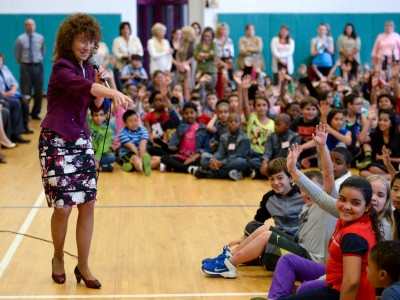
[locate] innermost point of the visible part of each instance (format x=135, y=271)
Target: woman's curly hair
x=72, y=26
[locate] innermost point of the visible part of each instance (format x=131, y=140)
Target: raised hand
x=294, y=154
x=321, y=134
x=386, y=155
x=246, y=82
x=324, y=107
x=372, y=112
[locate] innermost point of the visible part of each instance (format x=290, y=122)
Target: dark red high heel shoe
x=91, y=284
x=60, y=279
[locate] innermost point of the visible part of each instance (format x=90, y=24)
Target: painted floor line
x=18, y=238
x=135, y=296
x=150, y=206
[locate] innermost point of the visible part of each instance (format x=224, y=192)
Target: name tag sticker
x=231, y=147
x=285, y=145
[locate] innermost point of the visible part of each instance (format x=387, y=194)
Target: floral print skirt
x=68, y=169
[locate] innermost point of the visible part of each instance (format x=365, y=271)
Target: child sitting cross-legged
x=283, y=204
x=133, y=138
x=230, y=159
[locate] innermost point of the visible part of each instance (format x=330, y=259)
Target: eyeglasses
x=85, y=43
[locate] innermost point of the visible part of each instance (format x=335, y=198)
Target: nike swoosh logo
x=218, y=270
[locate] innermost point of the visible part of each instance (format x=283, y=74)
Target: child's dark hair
x=395, y=177
x=262, y=99
x=128, y=113
x=289, y=105
x=153, y=96
x=276, y=166
x=234, y=116
x=364, y=187
x=391, y=99
x=103, y=109
x=309, y=100
x=314, y=174
x=211, y=92
x=189, y=105
x=332, y=114
x=285, y=118
x=136, y=57
x=393, y=128
x=349, y=99
x=386, y=255
x=323, y=95
x=222, y=101
x=345, y=153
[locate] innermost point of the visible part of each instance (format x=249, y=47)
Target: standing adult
x=206, y=55
x=184, y=55
x=250, y=51
x=123, y=47
x=159, y=49
x=386, y=46
x=197, y=30
x=225, y=55
x=349, y=45
x=29, y=52
x=322, y=50
x=65, y=148
x=282, y=48
x=175, y=43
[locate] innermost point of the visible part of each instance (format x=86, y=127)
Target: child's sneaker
x=226, y=253
x=127, y=166
x=200, y=173
x=146, y=164
x=107, y=168
x=223, y=269
x=235, y=175
x=192, y=169
x=364, y=163
x=163, y=167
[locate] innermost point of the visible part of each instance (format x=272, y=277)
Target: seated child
x=338, y=136
x=230, y=159
x=201, y=116
x=310, y=242
x=341, y=161
x=133, y=138
x=211, y=102
x=293, y=110
x=283, y=204
x=134, y=72
x=101, y=140
x=190, y=140
x=383, y=269
x=305, y=127
x=217, y=126
x=395, y=192
x=279, y=141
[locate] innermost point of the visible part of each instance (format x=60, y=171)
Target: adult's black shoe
x=28, y=131
x=19, y=139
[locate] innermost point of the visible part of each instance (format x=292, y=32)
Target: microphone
x=95, y=65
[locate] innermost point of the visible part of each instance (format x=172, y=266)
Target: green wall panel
x=12, y=25
x=303, y=28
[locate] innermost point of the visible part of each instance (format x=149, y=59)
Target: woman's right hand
x=120, y=100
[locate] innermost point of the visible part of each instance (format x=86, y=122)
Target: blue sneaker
x=223, y=269
x=226, y=253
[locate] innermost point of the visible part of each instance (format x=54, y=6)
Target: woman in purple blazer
x=65, y=148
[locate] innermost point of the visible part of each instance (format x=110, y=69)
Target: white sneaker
x=192, y=169
x=163, y=167
x=235, y=175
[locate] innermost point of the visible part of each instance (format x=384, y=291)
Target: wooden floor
x=151, y=234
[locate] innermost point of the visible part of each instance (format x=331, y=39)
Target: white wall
x=127, y=8
x=299, y=6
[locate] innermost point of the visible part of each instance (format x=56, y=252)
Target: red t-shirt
x=155, y=123
x=204, y=118
x=351, y=239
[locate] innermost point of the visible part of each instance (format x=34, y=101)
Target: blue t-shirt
x=392, y=292
x=333, y=142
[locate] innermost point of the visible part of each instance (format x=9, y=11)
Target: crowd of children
x=333, y=224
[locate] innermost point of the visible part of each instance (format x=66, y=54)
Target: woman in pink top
x=387, y=45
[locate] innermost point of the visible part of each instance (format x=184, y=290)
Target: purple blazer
x=68, y=98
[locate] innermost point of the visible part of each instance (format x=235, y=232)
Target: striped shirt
x=134, y=137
